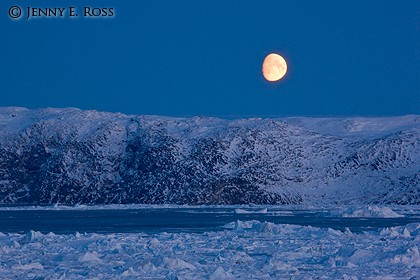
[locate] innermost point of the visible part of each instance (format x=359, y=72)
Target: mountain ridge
x=75, y=156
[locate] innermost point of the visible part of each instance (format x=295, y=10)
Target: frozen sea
x=212, y=242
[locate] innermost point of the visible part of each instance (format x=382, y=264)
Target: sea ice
x=242, y=211
x=372, y=211
x=245, y=250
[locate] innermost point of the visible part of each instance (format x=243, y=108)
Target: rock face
x=72, y=156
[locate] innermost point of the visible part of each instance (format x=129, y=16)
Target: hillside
x=73, y=156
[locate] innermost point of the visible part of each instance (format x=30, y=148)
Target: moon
x=274, y=67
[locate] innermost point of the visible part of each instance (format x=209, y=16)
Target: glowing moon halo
x=274, y=67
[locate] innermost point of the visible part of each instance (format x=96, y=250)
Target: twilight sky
x=185, y=58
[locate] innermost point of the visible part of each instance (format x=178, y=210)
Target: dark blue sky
x=183, y=58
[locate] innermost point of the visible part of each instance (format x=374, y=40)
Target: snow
x=361, y=127
x=245, y=250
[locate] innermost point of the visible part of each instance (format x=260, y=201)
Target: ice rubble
x=246, y=250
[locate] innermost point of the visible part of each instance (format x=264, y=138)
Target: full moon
x=274, y=67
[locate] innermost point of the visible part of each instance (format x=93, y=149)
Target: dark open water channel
x=175, y=220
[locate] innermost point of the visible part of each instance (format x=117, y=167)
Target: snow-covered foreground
x=245, y=250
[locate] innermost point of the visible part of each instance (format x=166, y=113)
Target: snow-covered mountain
x=74, y=156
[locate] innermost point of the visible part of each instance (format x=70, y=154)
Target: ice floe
x=243, y=211
x=369, y=211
